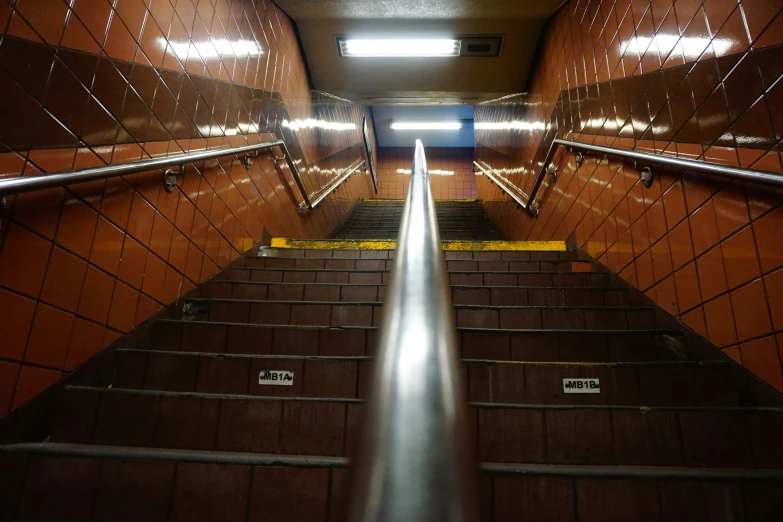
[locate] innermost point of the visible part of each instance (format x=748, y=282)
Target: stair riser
x=485, y=382
x=505, y=296
x=346, y=315
x=530, y=279
x=556, y=318
x=118, y=489
x=508, y=346
x=454, y=265
x=538, y=279
x=721, y=439
x=465, y=255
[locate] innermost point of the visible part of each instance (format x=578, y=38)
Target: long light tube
x=399, y=47
x=426, y=125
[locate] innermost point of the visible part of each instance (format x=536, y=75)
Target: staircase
x=457, y=221
x=245, y=407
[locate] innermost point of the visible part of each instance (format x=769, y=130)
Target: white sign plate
x=276, y=378
x=581, y=386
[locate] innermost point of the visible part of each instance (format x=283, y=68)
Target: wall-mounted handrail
x=415, y=463
x=58, y=179
x=320, y=194
x=644, y=161
x=506, y=186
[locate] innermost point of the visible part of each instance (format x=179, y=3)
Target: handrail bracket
x=579, y=156
x=645, y=174
x=248, y=159
x=170, y=180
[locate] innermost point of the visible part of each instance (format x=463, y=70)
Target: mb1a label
x=276, y=378
x=581, y=386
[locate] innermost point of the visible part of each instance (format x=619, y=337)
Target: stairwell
x=245, y=405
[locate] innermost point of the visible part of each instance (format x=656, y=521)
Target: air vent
x=481, y=46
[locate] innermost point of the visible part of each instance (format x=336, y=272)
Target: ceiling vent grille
x=481, y=46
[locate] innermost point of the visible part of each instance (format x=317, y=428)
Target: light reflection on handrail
x=22, y=184
x=320, y=194
x=643, y=161
x=415, y=463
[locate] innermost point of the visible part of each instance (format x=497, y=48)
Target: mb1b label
x=276, y=378
x=581, y=386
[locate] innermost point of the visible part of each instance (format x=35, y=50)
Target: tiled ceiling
x=461, y=80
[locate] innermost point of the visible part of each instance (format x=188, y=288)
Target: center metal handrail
x=415, y=463
x=643, y=161
x=22, y=184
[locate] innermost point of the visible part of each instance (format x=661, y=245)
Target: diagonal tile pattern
x=700, y=80
x=92, y=82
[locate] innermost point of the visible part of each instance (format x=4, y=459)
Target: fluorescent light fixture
x=399, y=47
x=426, y=125
x=437, y=172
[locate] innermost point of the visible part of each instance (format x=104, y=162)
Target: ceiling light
x=437, y=172
x=399, y=47
x=426, y=125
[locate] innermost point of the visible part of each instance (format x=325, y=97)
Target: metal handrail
x=644, y=161
x=58, y=179
x=324, y=191
x=415, y=463
x=507, y=186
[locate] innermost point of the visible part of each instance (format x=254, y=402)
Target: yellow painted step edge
x=386, y=244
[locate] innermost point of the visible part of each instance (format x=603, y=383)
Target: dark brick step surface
x=369, y=313
x=449, y=255
x=444, y=236
x=117, y=484
x=477, y=255
x=515, y=345
x=623, y=383
x=601, y=435
x=370, y=223
x=381, y=276
x=469, y=295
x=455, y=225
x=552, y=265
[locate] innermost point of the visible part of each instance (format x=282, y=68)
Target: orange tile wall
x=89, y=82
x=704, y=82
x=451, y=172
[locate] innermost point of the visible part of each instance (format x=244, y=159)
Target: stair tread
x=380, y=303
x=326, y=426
x=699, y=363
x=492, y=405
x=227, y=457
x=661, y=331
